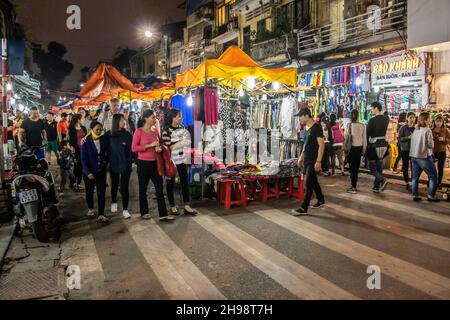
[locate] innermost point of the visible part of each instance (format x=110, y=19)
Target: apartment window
x=261, y=25
x=303, y=17
x=223, y=12
x=285, y=17
x=247, y=39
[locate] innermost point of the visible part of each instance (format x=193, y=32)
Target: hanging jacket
x=120, y=151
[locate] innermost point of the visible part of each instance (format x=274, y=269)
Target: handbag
x=348, y=142
x=165, y=164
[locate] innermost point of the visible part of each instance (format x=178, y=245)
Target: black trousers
x=182, y=172
x=311, y=185
x=406, y=165
x=99, y=183
x=148, y=170
x=78, y=168
x=441, y=157
x=397, y=161
x=122, y=180
x=354, y=162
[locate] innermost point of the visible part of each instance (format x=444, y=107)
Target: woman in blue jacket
x=120, y=162
x=95, y=159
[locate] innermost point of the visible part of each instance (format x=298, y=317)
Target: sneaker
x=146, y=217
x=102, y=219
x=384, y=185
x=113, y=207
x=433, y=199
x=126, y=214
x=91, y=213
x=299, y=212
x=375, y=190
x=318, y=205
x=352, y=190
x=417, y=199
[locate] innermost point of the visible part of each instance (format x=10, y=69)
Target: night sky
x=105, y=25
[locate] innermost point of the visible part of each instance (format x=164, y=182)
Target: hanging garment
x=211, y=105
x=179, y=102
x=225, y=114
x=289, y=124
x=199, y=109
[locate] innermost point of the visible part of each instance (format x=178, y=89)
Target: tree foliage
x=52, y=65
x=121, y=60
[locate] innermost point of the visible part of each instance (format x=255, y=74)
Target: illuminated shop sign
x=399, y=70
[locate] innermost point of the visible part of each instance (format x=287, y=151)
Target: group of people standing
x=101, y=151
x=422, y=141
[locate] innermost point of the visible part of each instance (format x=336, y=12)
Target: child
x=66, y=164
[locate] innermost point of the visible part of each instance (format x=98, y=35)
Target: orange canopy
x=234, y=64
x=106, y=79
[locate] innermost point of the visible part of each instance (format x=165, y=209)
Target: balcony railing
x=263, y=51
x=381, y=24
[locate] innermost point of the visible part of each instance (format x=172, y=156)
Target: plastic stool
x=224, y=192
x=298, y=191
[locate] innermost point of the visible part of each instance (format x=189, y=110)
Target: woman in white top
x=354, y=147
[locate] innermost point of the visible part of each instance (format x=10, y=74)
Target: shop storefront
x=337, y=90
x=400, y=81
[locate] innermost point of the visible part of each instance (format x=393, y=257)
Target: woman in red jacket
x=146, y=142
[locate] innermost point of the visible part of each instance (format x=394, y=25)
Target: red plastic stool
x=267, y=192
x=298, y=191
x=225, y=194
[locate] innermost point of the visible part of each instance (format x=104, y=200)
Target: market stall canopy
x=234, y=64
x=106, y=79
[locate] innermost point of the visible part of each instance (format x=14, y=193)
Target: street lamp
x=148, y=34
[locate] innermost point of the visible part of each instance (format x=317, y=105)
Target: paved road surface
x=263, y=252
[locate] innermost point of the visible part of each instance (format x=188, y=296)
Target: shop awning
x=234, y=64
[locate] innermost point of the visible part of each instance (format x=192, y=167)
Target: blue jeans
x=376, y=169
x=427, y=165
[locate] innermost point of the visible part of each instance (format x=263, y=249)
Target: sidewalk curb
x=6, y=236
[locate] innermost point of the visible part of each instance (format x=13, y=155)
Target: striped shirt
x=172, y=136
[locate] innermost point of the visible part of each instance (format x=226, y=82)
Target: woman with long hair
x=404, y=143
x=76, y=134
x=402, y=117
x=441, y=136
x=95, y=159
x=355, y=147
x=177, y=138
x=146, y=142
x=421, y=154
x=120, y=162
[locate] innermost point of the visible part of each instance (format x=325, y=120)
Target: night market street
x=261, y=252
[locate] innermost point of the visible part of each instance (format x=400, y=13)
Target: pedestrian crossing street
x=263, y=252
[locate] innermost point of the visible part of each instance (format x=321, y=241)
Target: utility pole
x=4, y=148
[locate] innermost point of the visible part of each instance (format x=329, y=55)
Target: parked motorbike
x=34, y=196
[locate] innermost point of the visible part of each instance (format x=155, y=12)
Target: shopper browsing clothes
x=404, y=142
x=120, y=162
x=328, y=138
x=311, y=161
x=355, y=146
x=94, y=157
x=378, y=147
x=421, y=154
x=177, y=138
x=402, y=120
x=441, y=136
x=76, y=134
x=146, y=142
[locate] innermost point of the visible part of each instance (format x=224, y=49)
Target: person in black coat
x=76, y=134
x=120, y=162
x=95, y=160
